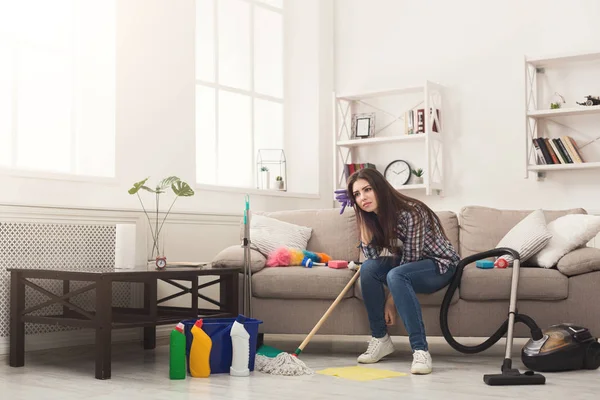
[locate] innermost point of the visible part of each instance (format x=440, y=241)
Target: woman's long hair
x=390, y=202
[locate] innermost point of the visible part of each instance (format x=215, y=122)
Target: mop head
x=282, y=364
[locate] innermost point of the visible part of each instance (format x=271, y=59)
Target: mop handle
x=327, y=313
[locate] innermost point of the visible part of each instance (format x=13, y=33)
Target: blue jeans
x=403, y=281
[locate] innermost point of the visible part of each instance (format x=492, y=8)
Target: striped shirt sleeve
x=414, y=241
x=369, y=250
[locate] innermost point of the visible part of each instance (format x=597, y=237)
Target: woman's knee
x=369, y=268
x=397, y=277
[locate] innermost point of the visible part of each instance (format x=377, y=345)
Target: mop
x=289, y=364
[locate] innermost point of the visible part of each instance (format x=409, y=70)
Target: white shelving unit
x=431, y=96
x=538, y=115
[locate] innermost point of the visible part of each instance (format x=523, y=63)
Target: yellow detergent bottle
x=200, y=352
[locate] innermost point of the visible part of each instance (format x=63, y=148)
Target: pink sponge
x=337, y=264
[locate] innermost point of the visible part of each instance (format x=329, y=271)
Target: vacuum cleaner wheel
x=592, y=356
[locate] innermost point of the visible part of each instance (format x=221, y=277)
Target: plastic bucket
x=219, y=330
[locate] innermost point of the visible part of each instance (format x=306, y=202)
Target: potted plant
x=264, y=177
x=279, y=181
x=180, y=189
x=418, y=173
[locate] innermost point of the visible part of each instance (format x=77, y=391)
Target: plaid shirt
x=420, y=241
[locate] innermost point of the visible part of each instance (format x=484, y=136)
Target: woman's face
x=364, y=196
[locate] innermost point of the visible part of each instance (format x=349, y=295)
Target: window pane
x=235, y=152
x=268, y=52
x=206, y=136
x=5, y=105
x=205, y=40
x=234, y=43
x=44, y=111
x=272, y=3
x=268, y=125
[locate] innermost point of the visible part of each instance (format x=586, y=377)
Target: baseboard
x=69, y=339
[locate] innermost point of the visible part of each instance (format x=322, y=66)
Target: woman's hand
x=389, y=311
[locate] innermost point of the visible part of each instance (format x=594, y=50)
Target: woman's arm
x=368, y=249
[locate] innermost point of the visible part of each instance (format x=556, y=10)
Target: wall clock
x=397, y=173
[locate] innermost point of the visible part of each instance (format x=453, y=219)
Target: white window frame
x=250, y=93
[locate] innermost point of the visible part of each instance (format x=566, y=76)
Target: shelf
x=562, y=59
x=434, y=186
x=381, y=140
x=564, y=111
x=391, y=92
x=557, y=167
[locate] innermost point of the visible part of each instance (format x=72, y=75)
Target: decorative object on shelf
x=349, y=169
x=590, y=101
x=409, y=122
x=418, y=173
x=264, y=177
x=363, y=125
x=558, y=101
x=267, y=161
x=397, y=173
x=180, y=189
x=421, y=120
x=279, y=182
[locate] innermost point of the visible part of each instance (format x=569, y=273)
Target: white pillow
x=568, y=233
x=527, y=237
x=268, y=234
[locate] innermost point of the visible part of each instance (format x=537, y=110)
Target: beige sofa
x=292, y=299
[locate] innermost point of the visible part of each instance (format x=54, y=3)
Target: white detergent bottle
x=240, y=343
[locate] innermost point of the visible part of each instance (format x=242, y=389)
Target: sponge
x=337, y=264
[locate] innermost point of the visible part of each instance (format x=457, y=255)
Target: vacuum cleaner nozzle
x=514, y=377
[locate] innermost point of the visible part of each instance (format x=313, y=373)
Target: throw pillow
x=569, y=232
x=268, y=234
x=528, y=237
x=233, y=257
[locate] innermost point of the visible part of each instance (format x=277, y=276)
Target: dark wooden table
x=104, y=318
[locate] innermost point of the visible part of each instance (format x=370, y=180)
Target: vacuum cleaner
x=561, y=347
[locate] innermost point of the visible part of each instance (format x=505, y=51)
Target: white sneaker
x=377, y=349
x=421, y=364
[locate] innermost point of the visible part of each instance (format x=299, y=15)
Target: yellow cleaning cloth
x=358, y=373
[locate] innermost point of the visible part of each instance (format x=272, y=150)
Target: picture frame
x=363, y=125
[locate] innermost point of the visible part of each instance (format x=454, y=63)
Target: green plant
x=279, y=178
x=264, y=168
x=179, y=188
x=418, y=172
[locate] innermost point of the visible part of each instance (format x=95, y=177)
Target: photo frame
x=363, y=125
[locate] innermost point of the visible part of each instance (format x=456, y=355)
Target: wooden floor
x=138, y=374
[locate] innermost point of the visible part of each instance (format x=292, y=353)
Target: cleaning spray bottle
x=240, y=342
x=200, y=352
x=177, y=353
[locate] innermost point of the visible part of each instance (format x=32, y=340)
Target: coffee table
x=105, y=317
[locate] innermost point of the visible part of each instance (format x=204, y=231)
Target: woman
x=425, y=263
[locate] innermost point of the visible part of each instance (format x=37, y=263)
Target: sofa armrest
x=580, y=261
x=233, y=257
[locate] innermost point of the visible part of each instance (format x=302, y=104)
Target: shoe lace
x=373, y=345
x=420, y=357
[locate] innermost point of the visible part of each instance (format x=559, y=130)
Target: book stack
x=562, y=150
x=349, y=169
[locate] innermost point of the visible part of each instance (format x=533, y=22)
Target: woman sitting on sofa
x=424, y=264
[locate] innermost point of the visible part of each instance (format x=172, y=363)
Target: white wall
x=477, y=49
x=155, y=117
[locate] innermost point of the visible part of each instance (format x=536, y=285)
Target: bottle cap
x=199, y=323
x=241, y=319
x=180, y=327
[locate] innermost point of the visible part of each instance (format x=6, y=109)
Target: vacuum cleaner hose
x=536, y=332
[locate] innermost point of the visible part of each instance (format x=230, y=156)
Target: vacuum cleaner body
x=563, y=347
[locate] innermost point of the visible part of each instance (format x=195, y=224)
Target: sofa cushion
x=332, y=233
x=494, y=284
x=481, y=228
x=301, y=283
x=432, y=299
x=528, y=237
x=233, y=257
x=580, y=261
x=568, y=233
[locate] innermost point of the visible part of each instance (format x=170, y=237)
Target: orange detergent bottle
x=200, y=352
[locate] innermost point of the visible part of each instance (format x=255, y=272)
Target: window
x=57, y=86
x=239, y=87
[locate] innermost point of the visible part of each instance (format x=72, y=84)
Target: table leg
x=150, y=307
x=17, y=326
x=103, y=328
x=229, y=293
